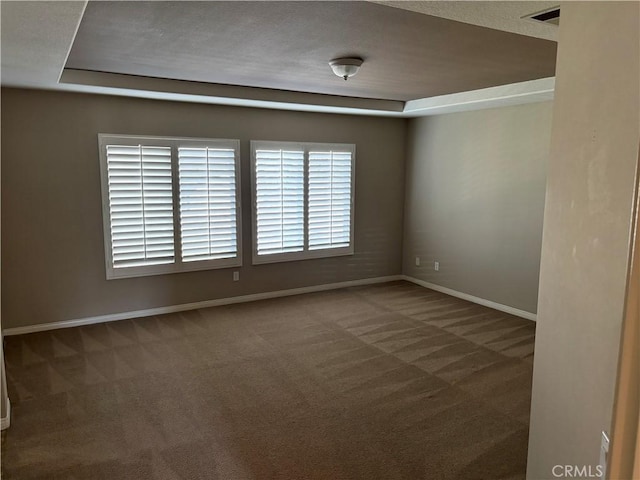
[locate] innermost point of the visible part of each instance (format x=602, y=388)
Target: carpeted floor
x=390, y=381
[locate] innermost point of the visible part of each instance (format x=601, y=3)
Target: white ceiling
x=37, y=38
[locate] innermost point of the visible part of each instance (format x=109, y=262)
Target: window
x=170, y=204
x=302, y=200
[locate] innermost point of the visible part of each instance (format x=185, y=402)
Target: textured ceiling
x=286, y=46
x=36, y=37
x=506, y=16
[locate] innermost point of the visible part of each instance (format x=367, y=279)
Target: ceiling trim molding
x=217, y=92
x=531, y=91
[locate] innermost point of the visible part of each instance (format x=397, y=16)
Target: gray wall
x=586, y=239
x=475, y=199
x=52, y=237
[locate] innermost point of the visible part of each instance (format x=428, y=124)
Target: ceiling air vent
x=550, y=16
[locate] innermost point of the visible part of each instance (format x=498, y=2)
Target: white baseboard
x=6, y=420
x=465, y=296
x=193, y=306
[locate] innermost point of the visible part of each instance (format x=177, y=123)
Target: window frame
x=178, y=265
x=305, y=254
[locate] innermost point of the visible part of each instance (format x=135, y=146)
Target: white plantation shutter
x=279, y=201
x=302, y=200
x=329, y=220
x=144, y=216
x=207, y=203
x=140, y=205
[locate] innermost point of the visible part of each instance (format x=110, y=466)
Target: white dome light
x=346, y=67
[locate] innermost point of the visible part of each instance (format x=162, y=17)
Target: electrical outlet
x=436, y=266
x=417, y=261
x=236, y=276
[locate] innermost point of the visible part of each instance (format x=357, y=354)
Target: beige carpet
x=391, y=381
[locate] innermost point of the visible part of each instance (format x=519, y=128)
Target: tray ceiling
x=274, y=54
x=287, y=46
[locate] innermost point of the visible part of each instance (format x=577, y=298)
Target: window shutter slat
x=207, y=203
x=140, y=205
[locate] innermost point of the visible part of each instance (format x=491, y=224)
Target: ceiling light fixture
x=346, y=67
